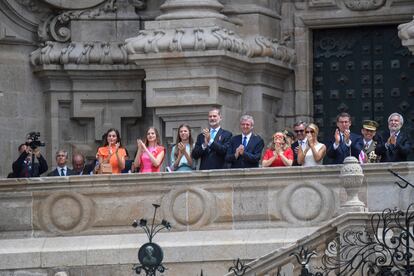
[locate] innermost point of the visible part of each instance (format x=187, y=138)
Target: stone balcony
x=217, y=216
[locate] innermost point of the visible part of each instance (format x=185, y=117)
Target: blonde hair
x=314, y=127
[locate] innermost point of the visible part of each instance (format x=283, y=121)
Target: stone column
x=190, y=9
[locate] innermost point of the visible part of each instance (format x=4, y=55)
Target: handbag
x=105, y=168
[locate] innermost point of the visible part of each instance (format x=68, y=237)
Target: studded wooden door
x=364, y=71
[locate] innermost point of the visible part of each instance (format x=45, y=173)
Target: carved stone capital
x=80, y=53
x=204, y=39
x=186, y=9
x=363, y=5
x=406, y=34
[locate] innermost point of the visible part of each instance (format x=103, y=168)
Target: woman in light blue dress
x=181, y=152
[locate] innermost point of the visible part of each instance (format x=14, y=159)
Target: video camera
x=33, y=140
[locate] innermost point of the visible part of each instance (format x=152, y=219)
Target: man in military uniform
x=368, y=142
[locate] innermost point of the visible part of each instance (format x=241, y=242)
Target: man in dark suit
x=299, y=130
x=245, y=149
x=396, y=146
x=79, y=166
x=61, y=169
x=25, y=165
x=211, y=145
x=343, y=144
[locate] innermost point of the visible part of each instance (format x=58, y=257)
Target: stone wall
x=216, y=216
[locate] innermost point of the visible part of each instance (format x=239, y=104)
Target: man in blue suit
x=396, y=146
x=343, y=144
x=245, y=150
x=211, y=145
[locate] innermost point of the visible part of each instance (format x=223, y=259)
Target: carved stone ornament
x=80, y=53
x=206, y=38
x=56, y=27
x=363, y=5
x=74, y=4
x=406, y=34
x=352, y=177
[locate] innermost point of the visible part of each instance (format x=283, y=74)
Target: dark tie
x=62, y=172
x=244, y=141
x=342, y=139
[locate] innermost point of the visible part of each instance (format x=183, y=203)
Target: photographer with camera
x=26, y=165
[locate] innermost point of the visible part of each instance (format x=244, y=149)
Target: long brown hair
x=157, y=136
x=178, y=140
x=118, y=137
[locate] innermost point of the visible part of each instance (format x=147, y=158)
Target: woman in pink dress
x=150, y=154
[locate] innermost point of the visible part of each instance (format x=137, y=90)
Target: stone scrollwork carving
x=406, y=34
x=266, y=47
x=66, y=212
x=363, y=5
x=306, y=203
x=80, y=53
x=56, y=27
x=189, y=207
x=207, y=38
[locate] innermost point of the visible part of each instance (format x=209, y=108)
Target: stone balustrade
x=202, y=200
x=217, y=216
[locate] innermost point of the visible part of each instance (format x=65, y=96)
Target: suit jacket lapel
x=218, y=135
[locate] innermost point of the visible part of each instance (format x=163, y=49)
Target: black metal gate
x=364, y=71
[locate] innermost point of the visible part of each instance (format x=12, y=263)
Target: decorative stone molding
x=192, y=207
x=74, y=4
x=363, y=5
x=56, y=27
x=66, y=212
x=306, y=203
x=207, y=38
x=187, y=9
x=406, y=34
x=80, y=53
x=352, y=177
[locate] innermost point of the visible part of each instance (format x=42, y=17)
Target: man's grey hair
x=396, y=114
x=247, y=118
x=64, y=152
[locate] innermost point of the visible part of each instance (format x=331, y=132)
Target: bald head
x=78, y=163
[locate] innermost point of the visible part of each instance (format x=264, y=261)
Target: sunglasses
x=309, y=131
x=299, y=130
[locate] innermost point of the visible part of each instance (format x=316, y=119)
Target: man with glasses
x=300, y=136
x=61, y=169
x=343, y=144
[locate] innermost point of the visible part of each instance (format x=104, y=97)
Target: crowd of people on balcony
x=217, y=148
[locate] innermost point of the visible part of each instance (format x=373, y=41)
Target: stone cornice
x=207, y=38
x=80, y=53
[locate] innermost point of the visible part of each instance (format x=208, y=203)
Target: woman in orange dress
x=112, y=152
x=150, y=154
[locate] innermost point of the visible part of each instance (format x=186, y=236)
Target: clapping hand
x=393, y=139
x=181, y=147
x=337, y=136
x=347, y=134
x=206, y=133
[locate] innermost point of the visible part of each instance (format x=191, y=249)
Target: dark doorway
x=364, y=71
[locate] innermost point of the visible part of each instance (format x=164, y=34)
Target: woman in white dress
x=314, y=152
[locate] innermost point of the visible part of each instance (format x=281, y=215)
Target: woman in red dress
x=279, y=154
